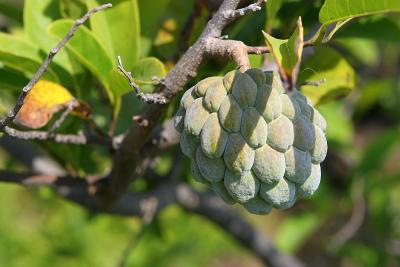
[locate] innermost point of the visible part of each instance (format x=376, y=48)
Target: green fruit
x=238, y=155
x=250, y=141
x=282, y=195
x=242, y=187
x=269, y=165
x=257, y=205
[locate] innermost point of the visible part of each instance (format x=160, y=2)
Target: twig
x=45, y=65
x=155, y=98
x=258, y=50
x=243, y=11
x=57, y=124
x=357, y=216
x=81, y=138
x=149, y=207
x=133, y=242
x=313, y=83
x=77, y=139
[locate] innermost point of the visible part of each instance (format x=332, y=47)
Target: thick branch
x=31, y=179
x=30, y=156
x=236, y=50
x=45, y=65
x=165, y=137
x=207, y=205
x=82, y=191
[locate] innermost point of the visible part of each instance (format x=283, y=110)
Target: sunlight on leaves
x=339, y=76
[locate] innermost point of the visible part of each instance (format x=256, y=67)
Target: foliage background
x=362, y=170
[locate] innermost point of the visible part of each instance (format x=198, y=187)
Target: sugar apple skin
x=251, y=141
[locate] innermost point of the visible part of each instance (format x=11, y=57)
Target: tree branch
x=59, y=122
x=236, y=50
x=243, y=11
x=35, y=180
x=45, y=65
x=81, y=191
x=80, y=138
x=145, y=97
x=129, y=156
x=187, y=29
x=109, y=194
x=30, y=156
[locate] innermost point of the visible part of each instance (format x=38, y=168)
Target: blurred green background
x=352, y=220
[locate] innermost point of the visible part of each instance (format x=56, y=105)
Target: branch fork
x=136, y=148
x=156, y=98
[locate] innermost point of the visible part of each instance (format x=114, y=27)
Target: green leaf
x=375, y=155
x=361, y=50
x=294, y=231
x=340, y=126
x=10, y=79
x=256, y=61
x=118, y=84
x=16, y=46
x=163, y=22
x=38, y=15
x=87, y=49
x=143, y=72
x=11, y=10
x=323, y=35
x=20, y=55
x=342, y=11
x=272, y=8
x=375, y=28
x=155, y=228
x=7, y=101
x=329, y=65
x=150, y=14
x=374, y=92
x=147, y=68
x=339, y=10
x=72, y=9
x=287, y=53
x=118, y=29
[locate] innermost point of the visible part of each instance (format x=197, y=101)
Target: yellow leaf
x=45, y=99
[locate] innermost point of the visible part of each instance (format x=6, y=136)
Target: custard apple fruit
x=250, y=141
